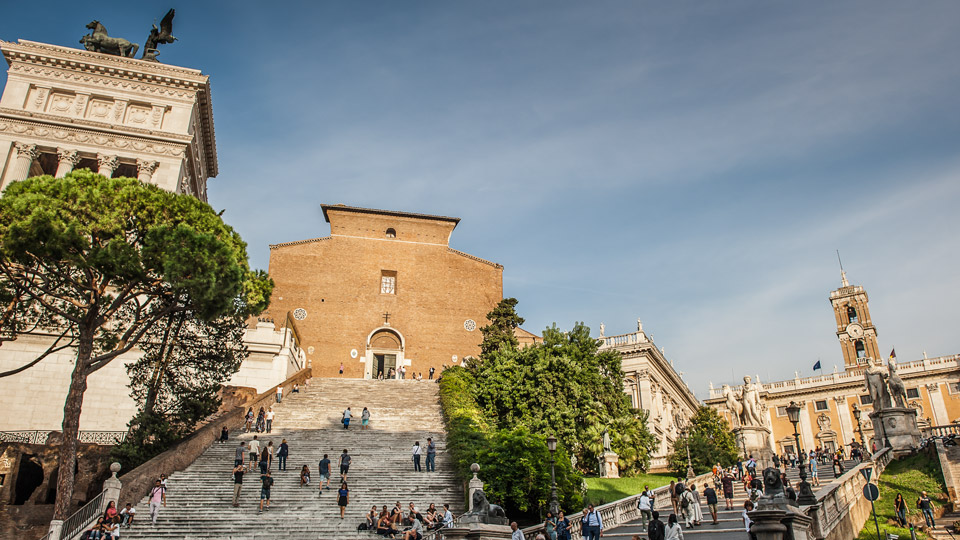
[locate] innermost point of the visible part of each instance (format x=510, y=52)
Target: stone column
x=26, y=153
x=475, y=485
x=847, y=429
x=111, y=486
x=67, y=160
x=145, y=170
x=940, y=416
x=805, y=428
x=108, y=164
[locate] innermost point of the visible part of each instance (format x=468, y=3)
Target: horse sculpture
x=99, y=41
x=733, y=404
x=898, y=391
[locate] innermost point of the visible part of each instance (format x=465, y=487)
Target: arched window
x=861, y=352
x=851, y=314
x=391, y=233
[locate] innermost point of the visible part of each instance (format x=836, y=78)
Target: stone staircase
x=199, y=498
x=730, y=522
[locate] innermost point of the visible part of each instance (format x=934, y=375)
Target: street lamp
x=554, y=503
x=690, y=473
x=856, y=415
x=805, y=496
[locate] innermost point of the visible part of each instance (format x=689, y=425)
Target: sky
x=692, y=164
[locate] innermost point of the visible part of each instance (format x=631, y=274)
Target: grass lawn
x=606, y=490
x=908, y=476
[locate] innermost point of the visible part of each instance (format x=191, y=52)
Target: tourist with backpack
x=645, y=507
x=590, y=524
x=323, y=469
x=237, y=484
x=266, y=483
x=157, y=496
x=282, y=454
x=655, y=530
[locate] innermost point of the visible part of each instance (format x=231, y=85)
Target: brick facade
x=337, y=280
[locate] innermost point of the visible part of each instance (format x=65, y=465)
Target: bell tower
x=855, y=330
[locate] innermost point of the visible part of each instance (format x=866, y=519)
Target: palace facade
x=654, y=386
x=829, y=403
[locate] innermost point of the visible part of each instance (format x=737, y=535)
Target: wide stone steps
x=381, y=473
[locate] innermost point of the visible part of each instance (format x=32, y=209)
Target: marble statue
x=639, y=326
x=99, y=41
x=159, y=36
x=875, y=379
x=751, y=412
x=895, y=385
x=603, y=328
x=733, y=404
x=485, y=512
x=606, y=441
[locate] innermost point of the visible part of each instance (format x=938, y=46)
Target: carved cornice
x=57, y=135
x=42, y=54
x=17, y=115
x=102, y=81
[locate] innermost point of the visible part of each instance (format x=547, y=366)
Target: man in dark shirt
x=237, y=482
x=923, y=503
x=344, y=465
x=265, y=490
x=324, y=472
x=656, y=530
x=726, y=482
x=241, y=452
x=711, y=495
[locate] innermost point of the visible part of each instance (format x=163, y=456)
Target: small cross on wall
x=386, y=318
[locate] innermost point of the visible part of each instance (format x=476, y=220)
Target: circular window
x=299, y=314
x=470, y=325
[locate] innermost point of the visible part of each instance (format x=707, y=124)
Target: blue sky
x=694, y=164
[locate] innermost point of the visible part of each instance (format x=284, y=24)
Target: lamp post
x=690, y=473
x=805, y=496
x=554, y=503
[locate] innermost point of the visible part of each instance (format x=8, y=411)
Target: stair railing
x=75, y=524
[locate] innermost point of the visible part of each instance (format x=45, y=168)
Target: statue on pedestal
x=895, y=385
x=875, y=379
x=606, y=441
x=159, y=36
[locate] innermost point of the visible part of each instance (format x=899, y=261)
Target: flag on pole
x=817, y=366
x=893, y=354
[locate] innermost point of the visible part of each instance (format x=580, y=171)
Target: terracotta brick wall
x=337, y=281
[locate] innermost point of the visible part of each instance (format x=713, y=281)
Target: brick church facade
x=384, y=290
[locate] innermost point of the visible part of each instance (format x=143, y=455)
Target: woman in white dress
x=692, y=514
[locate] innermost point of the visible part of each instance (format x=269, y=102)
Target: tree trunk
x=71, y=424
x=166, y=350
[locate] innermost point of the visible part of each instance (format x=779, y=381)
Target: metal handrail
x=82, y=517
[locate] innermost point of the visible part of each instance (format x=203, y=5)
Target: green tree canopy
x=499, y=333
x=711, y=441
x=104, y=260
x=568, y=388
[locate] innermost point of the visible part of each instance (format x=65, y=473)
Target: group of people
x=410, y=525
x=109, y=525
x=261, y=422
x=402, y=374
x=924, y=504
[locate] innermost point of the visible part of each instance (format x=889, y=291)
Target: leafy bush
x=514, y=463
x=711, y=441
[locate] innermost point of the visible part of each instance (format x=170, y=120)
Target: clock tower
x=858, y=336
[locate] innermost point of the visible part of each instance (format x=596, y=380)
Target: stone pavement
x=199, y=498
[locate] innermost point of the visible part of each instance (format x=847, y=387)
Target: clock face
x=855, y=330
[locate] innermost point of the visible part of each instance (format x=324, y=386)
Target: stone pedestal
x=897, y=427
x=756, y=441
x=474, y=485
x=610, y=465
x=478, y=531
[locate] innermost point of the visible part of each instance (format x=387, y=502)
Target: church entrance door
x=383, y=363
x=384, y=352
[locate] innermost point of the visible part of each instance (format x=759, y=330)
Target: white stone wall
x=33, y=399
